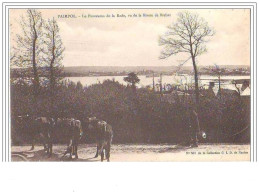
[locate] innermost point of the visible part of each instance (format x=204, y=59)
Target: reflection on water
x=148, y=81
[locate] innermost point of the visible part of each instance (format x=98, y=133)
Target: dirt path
x=141, y=153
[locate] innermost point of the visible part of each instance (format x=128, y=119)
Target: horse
x=104, y=135
x=43, y=127
x=73, y=132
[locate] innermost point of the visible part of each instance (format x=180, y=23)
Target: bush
x=137, y=116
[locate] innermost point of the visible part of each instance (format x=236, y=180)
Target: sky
x=133, y=41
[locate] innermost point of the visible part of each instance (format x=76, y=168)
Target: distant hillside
x=76, y=71
x=105, y=69
x=87, y=69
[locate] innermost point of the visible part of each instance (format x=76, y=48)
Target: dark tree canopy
x=132, y=78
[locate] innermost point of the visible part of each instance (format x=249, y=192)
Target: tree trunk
x=197, y=101
x=52, y=77
x=197, y=97
x=133, y=86
x=36, y=81
x=35, y=71
x=52, y=88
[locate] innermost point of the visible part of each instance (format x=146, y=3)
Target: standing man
x=194, y=127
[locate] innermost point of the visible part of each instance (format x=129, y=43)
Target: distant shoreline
x=95, y=71
x=165, y=74
x=116, y=75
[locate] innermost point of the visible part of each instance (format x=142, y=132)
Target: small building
x=176, y=96
x=246, y=92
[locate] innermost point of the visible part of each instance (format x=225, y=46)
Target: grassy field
x=139, y=153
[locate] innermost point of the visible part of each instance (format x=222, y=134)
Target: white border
x=131, y=178
x=6, y=115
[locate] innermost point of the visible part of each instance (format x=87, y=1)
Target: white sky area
x=134, y=41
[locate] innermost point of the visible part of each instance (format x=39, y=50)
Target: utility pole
x=219, y=71
x=161, y=85
x=219, y=86
x=153, y=81
x=220, y=108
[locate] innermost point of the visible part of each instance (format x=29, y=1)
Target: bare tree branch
x=188, y=35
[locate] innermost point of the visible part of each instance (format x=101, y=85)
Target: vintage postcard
x=130, y=84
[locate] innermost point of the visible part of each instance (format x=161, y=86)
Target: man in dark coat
x=193, y=127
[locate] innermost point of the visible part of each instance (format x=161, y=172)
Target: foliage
x=132, y=78
x=39, y=51
x=136, y=117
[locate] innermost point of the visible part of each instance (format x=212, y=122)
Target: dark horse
x=73, y=130
x=43, y=127
x=104, y=136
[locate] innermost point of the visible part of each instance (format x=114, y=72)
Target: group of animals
x=44, y=128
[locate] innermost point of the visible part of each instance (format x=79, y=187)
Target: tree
x=187, y=35
x=53, y=56
x=29, y=46
x=133, y=79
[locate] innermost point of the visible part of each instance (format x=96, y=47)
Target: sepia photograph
x=130, y=85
